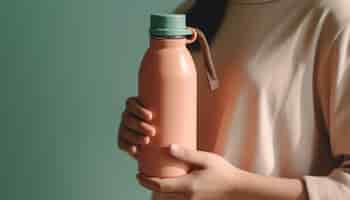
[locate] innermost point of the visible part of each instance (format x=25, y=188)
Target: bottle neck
x=181, y=41
x=164, y=42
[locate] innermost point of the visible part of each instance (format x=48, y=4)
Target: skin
x=212, y=176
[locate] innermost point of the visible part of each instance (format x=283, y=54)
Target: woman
x=280, y=122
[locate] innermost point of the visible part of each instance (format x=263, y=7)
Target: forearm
x=258, y=187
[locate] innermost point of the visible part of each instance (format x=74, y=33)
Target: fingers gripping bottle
x=168, y=87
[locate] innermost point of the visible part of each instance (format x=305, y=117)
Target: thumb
x=194, y=157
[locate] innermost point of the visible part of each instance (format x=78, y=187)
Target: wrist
x=248, y=185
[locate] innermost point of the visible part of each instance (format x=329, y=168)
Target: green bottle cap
x=164, y=25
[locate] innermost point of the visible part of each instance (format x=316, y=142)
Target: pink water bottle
x=168, y=87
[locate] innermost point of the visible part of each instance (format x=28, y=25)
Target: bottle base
x=156, y=162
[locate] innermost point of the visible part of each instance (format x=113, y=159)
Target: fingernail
x=149, y=116
x=153, y=132
x=174, y=148
x=133, y=149
x=147, y=140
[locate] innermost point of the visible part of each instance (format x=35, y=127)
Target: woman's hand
x=135, y=128
x=212, y=177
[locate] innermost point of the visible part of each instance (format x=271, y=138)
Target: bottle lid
x=164, y=25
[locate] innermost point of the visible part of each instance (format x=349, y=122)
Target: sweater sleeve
x=336, y=186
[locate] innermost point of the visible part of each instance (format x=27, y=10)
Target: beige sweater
x=291, y=113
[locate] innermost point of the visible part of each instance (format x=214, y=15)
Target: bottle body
x=168, y=87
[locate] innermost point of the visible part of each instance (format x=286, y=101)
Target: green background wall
x=66, y=67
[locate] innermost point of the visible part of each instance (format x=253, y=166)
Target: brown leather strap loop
x=211, y=72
